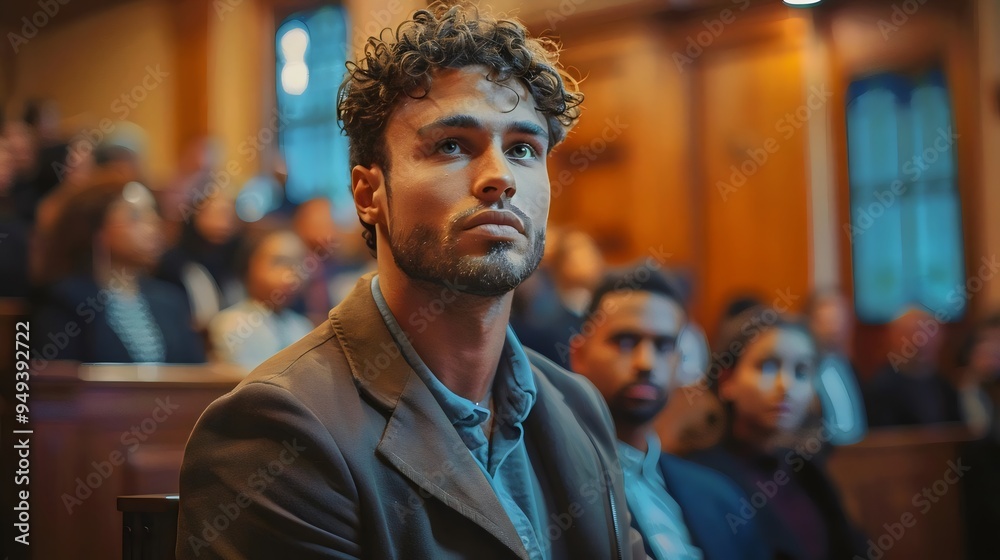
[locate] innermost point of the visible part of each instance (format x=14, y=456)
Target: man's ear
x=368, y=187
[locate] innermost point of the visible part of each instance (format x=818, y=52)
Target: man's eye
x=522, y=151
x=627, y=343
x=448, y=147
x=802, y=371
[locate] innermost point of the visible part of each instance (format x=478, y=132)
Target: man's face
x=466, y=195
x=632, y=354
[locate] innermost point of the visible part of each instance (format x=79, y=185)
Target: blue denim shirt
x=505, y=463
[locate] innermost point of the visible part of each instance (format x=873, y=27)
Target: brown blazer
x=334, y=448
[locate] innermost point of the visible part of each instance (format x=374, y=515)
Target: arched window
x=906, y=224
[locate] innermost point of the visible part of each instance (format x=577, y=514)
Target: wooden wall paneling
x=622, y=173
x=751, y=117
x=191, y=44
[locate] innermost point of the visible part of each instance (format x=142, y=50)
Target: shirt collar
x=513, y=388
x=638, y=463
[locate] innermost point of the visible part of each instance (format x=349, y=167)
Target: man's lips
x=642, y=392
x=496, y=217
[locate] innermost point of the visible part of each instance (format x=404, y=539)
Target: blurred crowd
x=118, y=269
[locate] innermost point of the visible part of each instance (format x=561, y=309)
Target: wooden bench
x=900, y=485
x=104, y=431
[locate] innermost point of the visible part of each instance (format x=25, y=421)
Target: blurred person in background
x=979, y=375
x=631, y=356
x=555, y=313
x=203, y=263
x=762, y=372
x=341, y=257
x=23, y=150
x=910, y=388
x=196, y=176
x=103, y=305
x=14, y=232
x=843, y=407
x=260, y=326
x=979, y=365
x=120, y=155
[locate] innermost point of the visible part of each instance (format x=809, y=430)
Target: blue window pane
x=906, y=229
x=311, y=56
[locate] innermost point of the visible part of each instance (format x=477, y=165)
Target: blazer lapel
x=418, y=440
x=570, y=458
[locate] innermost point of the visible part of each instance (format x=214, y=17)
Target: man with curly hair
x=412, y=423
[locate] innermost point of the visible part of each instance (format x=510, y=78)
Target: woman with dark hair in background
x=763, y=371
x=102, y=305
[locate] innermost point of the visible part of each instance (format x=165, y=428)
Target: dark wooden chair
x=149, y=526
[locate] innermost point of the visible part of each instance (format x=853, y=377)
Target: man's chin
x=635, y=413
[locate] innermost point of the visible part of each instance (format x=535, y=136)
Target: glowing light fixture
x=295, y=73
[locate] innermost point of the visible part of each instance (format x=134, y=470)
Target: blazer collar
x=418, y=440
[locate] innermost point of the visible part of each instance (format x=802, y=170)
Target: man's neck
x=634, y=435
x=459, y=336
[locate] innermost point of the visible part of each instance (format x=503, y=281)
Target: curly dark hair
x=444, y=36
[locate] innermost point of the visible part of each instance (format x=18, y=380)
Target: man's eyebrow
x=468, y=121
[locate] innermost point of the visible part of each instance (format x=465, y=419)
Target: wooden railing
x=103, y=431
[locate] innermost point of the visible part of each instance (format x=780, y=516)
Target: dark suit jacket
x=76, y=305
x=334, y=448
x=896, y=399
x=845, y=541
x=706, y=497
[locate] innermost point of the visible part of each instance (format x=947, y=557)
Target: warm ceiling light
x=802, y=2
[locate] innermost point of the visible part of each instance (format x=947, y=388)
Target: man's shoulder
x=316, y=362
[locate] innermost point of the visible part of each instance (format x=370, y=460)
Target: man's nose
x=494, y=178
x=644, y=357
